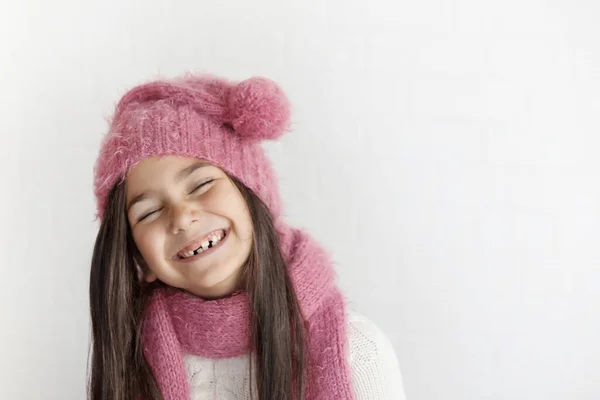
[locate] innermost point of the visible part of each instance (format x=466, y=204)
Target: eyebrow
x=184, y=173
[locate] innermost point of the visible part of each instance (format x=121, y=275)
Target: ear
x=143, y=272
x=150, y=276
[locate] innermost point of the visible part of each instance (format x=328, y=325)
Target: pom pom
x=258, y=109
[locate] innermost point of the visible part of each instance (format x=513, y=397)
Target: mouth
x=201, y=246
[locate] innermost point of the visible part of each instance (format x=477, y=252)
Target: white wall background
x=445, y=151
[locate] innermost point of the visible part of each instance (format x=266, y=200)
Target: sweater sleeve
x=375, y=369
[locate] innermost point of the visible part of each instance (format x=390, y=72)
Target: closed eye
x=147, y=215
x=201, y=185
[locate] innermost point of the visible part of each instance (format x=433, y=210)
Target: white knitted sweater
x=375, y=370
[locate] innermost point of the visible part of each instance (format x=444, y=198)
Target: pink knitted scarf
x=178, y=323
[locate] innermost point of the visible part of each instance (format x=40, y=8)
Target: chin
x=215, y=285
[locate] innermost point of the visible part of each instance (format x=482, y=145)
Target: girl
x=198, y=288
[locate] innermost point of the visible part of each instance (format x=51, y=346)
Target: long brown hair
x=118, y=369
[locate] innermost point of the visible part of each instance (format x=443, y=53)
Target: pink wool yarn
x=177, y=323
x=210, y=118
x=199, y=116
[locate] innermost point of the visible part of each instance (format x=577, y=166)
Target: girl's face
x=190, y=224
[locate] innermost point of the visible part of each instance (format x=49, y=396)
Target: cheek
x=246, y=225
x=227, y=202
x=149, y=243
x=243, y=223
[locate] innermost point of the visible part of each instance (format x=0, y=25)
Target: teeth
x=210, y=241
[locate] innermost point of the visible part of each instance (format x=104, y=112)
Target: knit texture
x=177, y=323
x=198, y=116
x=373, y=363
x=209, y=118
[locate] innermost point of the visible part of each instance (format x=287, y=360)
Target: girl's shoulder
x=375, y=367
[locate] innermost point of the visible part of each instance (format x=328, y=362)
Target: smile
x=202, y=246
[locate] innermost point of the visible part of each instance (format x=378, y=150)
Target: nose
x=182, y=216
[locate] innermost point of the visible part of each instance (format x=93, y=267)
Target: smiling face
x=190, y=224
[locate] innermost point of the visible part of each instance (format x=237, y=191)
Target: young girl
x=198, y=288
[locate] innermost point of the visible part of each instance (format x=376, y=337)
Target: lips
x=202, y=242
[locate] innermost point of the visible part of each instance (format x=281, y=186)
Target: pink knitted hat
x=200, y=116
